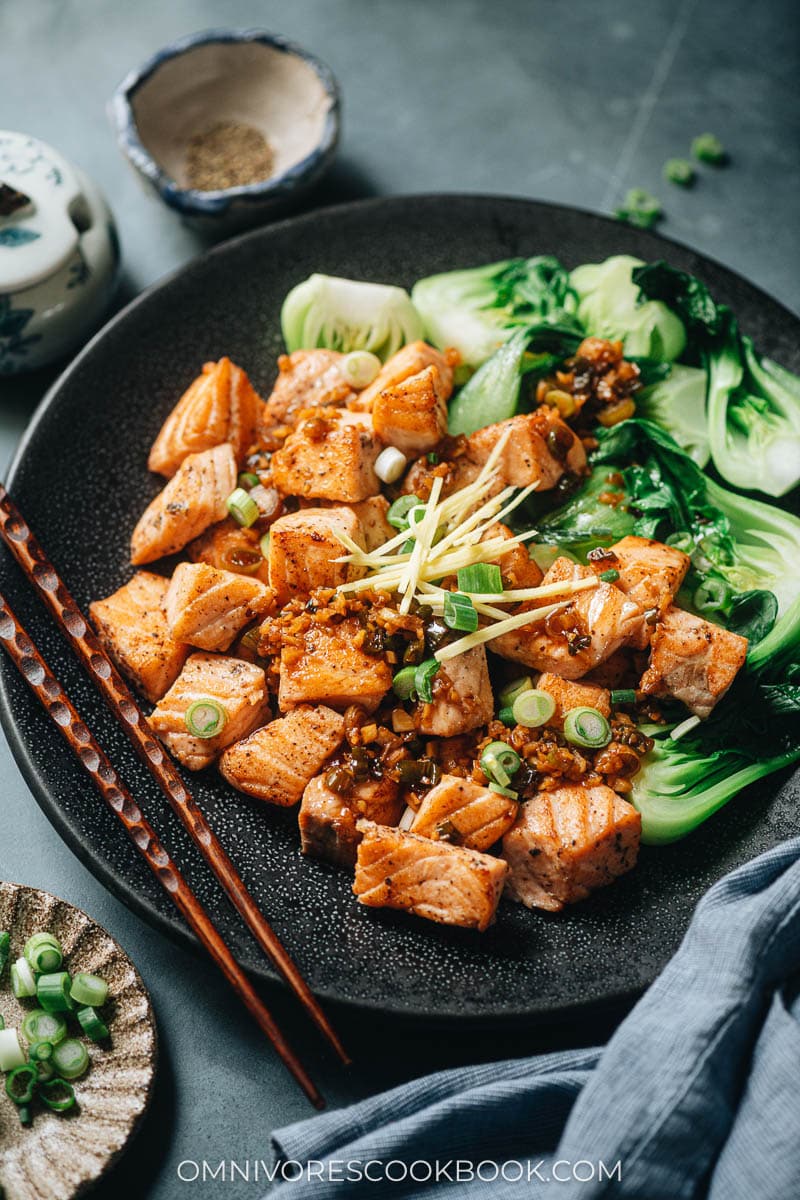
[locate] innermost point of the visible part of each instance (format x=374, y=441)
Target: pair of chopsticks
x=40, y=572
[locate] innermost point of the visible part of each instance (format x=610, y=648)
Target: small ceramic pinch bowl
x=220, y=77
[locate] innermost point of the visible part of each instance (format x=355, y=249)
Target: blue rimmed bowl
x=218, y=76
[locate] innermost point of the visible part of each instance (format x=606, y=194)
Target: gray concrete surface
x=566, y=102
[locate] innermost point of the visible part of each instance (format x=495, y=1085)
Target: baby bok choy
x=327, y=312
x=610, y=307
x=753, y=405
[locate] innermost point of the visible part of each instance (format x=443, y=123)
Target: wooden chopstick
x=29, y=554
x=44, y=685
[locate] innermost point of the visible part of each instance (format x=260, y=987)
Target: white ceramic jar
x=58, y=254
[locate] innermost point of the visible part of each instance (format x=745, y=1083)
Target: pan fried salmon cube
x=229, y=547
x=303, y=548
x=569, y=694
x=220, y=406
x=239, y=687
x=516, y=565
x=329, y=667
x=276, y=762
x=193, y=499
x=693, y=660
x=464, y=814
x=208, y=608
x=541, y=448
x=408, y=361
x=593, y=624
x=568, y=842
x=462, y=696
x=412, y=415
x=132, y=625
x=327, y=820
x=650, y=573
x=444, y=883
x=329, y=456
x=375, y=527
x=306, y=379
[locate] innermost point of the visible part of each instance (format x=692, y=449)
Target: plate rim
x=173, y=928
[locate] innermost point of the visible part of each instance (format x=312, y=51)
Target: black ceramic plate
x=80, y=478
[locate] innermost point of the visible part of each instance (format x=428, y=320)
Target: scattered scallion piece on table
x=460, y=613
x=205, y=718
x=707, y=148
x=639, y=208
x=44, y=953
x=242, y=507
x=23, y=980
x=587, y=727
x=52, y=992
x=680, y=171
x=533, y=708
x=89, y=990
x=70, y=1058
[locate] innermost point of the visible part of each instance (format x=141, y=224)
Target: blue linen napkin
x=697, y=1094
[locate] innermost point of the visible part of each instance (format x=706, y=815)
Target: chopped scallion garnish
x=515, y=688
x=21, y=1083
x=41, y=1026
x=205, y=718
x=91, y=1024
x=460, y=613
x=499, y=762
x=623, y=696
x=713, y=595
x=52, y=992
x=503, y=791
x=403, y=684
x=248, y=479
x=480, y=577
x=359, y=368
x=57, y=1094
x=506, y=715
x=40, y=1051
x=23, y=980
x=5, y=947
x=11, y=1055
x=242, y=507
x=89, y=990
x=423, y=678
x=44, y=953
x=70, y=1058
x=587, y=727
x=610, y=576
x=390, y=464
x=533, y=708
x=397, y=516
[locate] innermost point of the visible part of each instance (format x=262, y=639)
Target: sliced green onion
x=25, y=1114
x=390, y=464
x=23, y=981
x=709, y=149
x=610, y=576
x=499, y=762
x=397, y=516
x=11, y=1055
x=57, y=1094
x=480, y=577
x=89, y=989
x=70, y=1058
x=403, y=684
x=205, y=718
x=623, y=696
x=263, y=543
x=713, y=595
x=515, y=688
x=533, y=708
x=5, y=946
x=21, y=1083
x=40, y=1051
x=423, y=677
x=433, y=458
x=45, y=1070
x=248, y=479
x=359, y=368
x=680, y=171
x=44, y=953
x=41, y=1026
x=503, y=791
x=91, y=1024
x=242, y=507
x=585, y=726
x=685, y=727
x=52, y=992
x=460, y=613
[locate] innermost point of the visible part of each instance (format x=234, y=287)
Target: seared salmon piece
x=650, y=573
x=410, y=360
x=375, y=527
x=276, y=762
x=444, y=883
x=693, y=660
x=540, y=449
x=303, y=548
x=327, y=820
x=593, y=624
x=193, y=499
x=568, y=694
x=239, y=687
x=329, y=456
x=462, y=696
x=229, y=547
x=330, y=667
x=132, y=625
x=619, y=671
x=568, y=842
x=208, y=608
x=220, y=406
x=412, y=415
x=464, y=814
x=516, y=565
x=306, y=379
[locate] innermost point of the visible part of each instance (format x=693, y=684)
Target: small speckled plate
x=80, y=476
x=59, y=1157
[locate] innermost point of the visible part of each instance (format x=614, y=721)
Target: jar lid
x=42, y=210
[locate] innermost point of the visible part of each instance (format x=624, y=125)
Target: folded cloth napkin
x=696, y=1095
